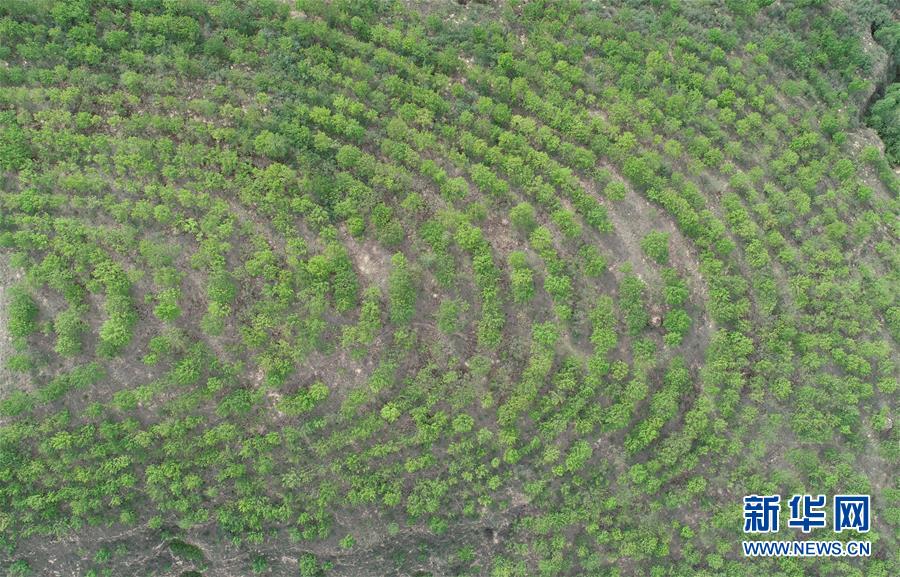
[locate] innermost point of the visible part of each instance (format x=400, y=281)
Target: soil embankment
x=877, y=105
x=884, y=72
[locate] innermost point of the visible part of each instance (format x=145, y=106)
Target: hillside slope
x=361, y=288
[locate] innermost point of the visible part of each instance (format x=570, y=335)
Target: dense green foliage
x=884, y=116
x=23, y=313
x=367, y=287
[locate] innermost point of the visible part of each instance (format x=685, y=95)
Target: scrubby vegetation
x=884, y=116
x=367, y=287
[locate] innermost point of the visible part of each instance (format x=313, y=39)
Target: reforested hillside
x=519, y=288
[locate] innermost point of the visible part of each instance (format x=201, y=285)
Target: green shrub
x=14, y=151
x=631, y=301
x=448, y=315
x=23, y=313
x=69, y=327
x=521, y=277
x=523, y=217
x=309, y=566
x=884, y=117
x=401, y=291
x=615, y=190
x=16, y=403
x=186, y=551
x=271, y=145
x=117, y=330
x=593, y=263
x=19, y=568
x=656, y=246
x=167, y=308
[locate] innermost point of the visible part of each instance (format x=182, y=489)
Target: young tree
x=521, y=277
x=23, y=313
x=401, y=291
x=656, y=246
x=523, y=217
x=271, y=145
x=69, y=327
